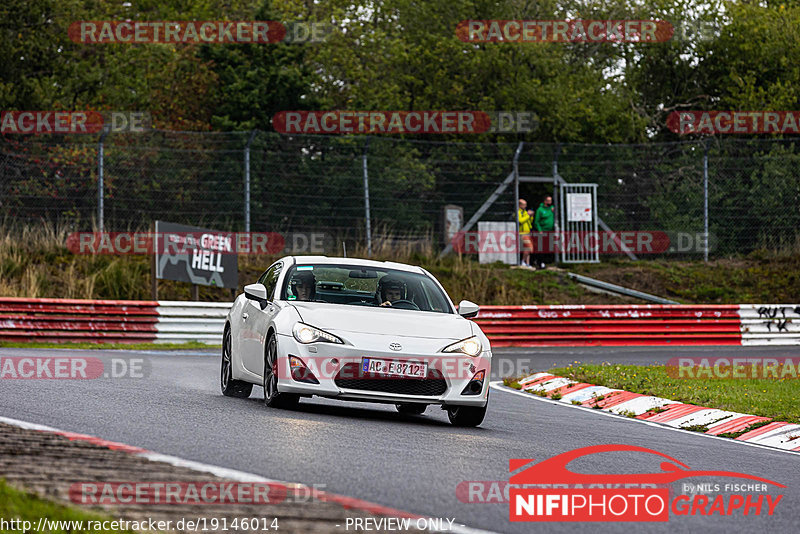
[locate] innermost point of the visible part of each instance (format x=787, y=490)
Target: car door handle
x=245, y=315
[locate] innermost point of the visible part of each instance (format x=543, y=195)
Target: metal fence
x=745, y=192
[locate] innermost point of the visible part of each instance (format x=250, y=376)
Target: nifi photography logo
x=548, y=491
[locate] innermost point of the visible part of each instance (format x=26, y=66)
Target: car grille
x=352, y=377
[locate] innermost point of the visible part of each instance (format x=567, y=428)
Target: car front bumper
x=336, y=367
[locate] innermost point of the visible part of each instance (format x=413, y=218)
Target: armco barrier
x=71, y=320
x=577, y=325
x=655, y=324
x=126, y=321
x=111, y=321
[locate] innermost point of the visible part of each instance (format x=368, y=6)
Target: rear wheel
x=229, y=386
x=272, y=397
x=466, y=415
x=411, y=408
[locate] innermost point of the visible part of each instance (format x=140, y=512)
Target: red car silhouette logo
x=554, y=470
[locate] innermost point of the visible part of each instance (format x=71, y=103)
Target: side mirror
x=256, y=292
x=468, y=309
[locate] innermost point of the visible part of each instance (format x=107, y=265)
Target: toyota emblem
x=395, y=346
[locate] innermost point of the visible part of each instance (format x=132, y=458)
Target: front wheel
x=229, y=386
x=466, y=415
x=272, y=397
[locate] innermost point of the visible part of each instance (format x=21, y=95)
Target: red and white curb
x=670, y=413
x=349, y=503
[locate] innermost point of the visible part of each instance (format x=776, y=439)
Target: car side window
x=270, y=279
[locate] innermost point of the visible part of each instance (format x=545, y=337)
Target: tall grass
x=34, y=262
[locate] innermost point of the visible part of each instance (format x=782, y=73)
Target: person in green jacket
x=544, y=221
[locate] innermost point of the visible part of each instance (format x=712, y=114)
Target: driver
x=304, y=285
x=391, y=289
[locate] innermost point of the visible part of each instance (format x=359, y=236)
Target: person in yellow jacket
x=525, y=218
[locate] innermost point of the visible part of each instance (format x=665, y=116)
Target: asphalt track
x=369, y=451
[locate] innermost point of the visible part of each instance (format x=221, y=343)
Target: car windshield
x=356, y=285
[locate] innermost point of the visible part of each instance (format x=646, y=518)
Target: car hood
x=368, y=320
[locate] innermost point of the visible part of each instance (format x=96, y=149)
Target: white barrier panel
x=180, y=321
x=770, y=324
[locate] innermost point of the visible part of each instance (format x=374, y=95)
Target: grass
x=734, y=435
x=189, y=345
x=35, y=262
x=774, y=398
x=16, y=504
x=760, y=276
x=512, y=383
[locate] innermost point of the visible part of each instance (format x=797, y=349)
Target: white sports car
x=357, y=330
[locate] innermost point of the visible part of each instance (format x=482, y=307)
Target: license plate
x=394, y=368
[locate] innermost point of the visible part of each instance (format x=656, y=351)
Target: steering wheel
x=406, y=305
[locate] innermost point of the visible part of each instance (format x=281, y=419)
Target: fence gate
x=580, y=242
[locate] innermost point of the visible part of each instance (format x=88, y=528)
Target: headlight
x=470, y=346
x=308, y=334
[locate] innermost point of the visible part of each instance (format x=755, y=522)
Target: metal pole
x=560, y=215
x=153, y=266
x=705, y=202
x=595, y=210
x=247, y=181
x=100, y=185
x=518, y=261
x=366, y=200
x=555, y=187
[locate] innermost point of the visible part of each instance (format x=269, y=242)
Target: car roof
x=326, y=260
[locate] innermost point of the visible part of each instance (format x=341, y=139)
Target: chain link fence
x=317, y=183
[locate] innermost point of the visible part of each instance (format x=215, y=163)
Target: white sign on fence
x=498, y=242
x=579, y=207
